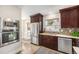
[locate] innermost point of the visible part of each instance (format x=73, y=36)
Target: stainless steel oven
x=9, y=37
x=9, y=32
x=10, y=23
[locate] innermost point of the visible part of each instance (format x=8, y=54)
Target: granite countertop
x=59, y=35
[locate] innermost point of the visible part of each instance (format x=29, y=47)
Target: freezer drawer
x=35, y=40
x=65, y=45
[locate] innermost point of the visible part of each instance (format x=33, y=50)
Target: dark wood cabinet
x=49, y=41
x=38, y=18
x=75, y=42
x=64, y=19
x=70, y=17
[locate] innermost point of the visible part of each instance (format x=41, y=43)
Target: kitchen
x=58, y=32
x=39, y=29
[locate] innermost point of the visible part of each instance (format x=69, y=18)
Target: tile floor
x=44, y=50
x=28, y=48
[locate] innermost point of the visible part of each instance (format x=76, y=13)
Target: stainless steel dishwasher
x=65, y=45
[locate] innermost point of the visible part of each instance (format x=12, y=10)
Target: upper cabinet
x=38, y=18
x=70, y=17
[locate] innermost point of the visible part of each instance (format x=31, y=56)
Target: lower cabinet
x=75, y=42
x=49, y=41
x=53, y=42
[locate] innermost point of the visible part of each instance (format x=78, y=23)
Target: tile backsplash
x=68, y=30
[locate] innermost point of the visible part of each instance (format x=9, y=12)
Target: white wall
x=10, y=11
x=13, y=12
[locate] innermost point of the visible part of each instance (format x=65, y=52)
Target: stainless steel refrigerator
x=35, y=33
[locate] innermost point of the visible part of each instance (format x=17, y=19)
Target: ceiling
x=44, y=9
x=28, y=10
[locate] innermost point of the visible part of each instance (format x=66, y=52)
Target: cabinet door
x=33, y=19
x=41, y=24
x=69, y=18
x=73, y=18
x=49, y=41
x=42, y=40
x=53, y=42
x=65, y=19
x=75, y=42
x=45, y=40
